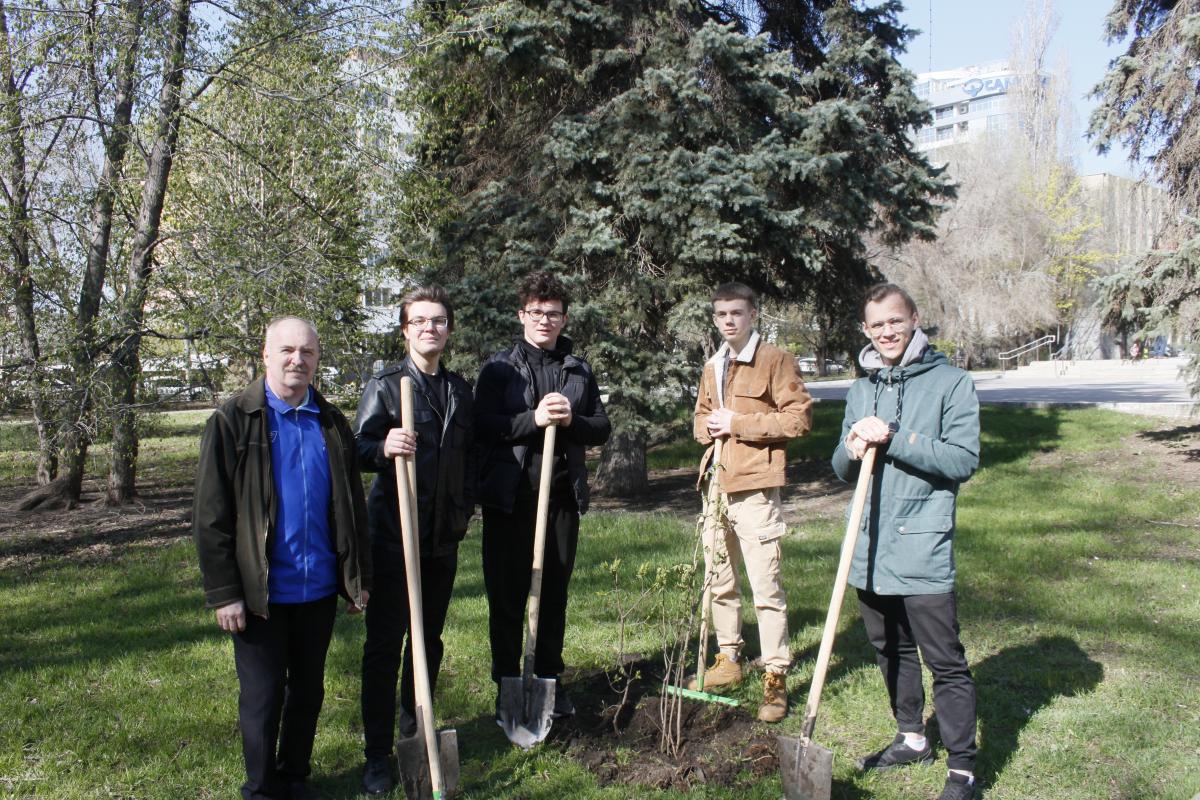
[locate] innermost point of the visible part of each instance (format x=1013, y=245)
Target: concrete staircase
x=1151, y=370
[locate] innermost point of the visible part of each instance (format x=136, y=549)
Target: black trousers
x=507, y=568
x=281, y=674
x=899, y=625
x=387, y=626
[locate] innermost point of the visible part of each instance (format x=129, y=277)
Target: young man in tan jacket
x=752, y=398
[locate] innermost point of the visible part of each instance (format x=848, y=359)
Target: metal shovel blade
x=526, y=716
x=414, y=768
x=806, y=767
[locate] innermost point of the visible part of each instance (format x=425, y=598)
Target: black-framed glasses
x=419, y=323
x=536, y=314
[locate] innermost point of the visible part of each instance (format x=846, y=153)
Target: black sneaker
x=377, y=778
x=563, y=707
x=958, y=787
x=897, y=754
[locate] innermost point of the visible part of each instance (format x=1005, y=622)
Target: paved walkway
x=1152, y=386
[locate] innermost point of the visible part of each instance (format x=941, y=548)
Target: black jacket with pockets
x=445, y=458
x=505, y=397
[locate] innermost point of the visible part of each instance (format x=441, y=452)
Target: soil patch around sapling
x=620, y=744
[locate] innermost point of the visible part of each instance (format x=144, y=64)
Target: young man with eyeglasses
x=923, y=415
x=752, y=398
x=444, y=448
x=520, y=392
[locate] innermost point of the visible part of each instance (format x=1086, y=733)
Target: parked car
x=808, y=366
x=176, y=389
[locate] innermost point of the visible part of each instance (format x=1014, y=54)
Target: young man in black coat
x=521, y=392
x=443, y=445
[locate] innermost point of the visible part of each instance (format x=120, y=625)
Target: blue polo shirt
x=302, y=563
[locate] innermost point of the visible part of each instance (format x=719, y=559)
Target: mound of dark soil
x=620, y=744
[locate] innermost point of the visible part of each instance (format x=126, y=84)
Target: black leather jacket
x=505, y=397
x=445, y=458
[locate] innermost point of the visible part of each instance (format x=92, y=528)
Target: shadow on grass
x=1169, y=434
x=851, y=652
x=1179, y=436
x=138, y=615
x=1010, y=434
x=1016, y=683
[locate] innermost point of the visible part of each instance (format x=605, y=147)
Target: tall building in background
x=1132, y=214
x=384, y=129
x=964, y=102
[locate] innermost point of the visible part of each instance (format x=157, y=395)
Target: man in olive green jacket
x=923, y=415
x=280, y=528
x=751, y=398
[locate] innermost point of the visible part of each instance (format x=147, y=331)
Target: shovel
x=527, y=702
x=807, y=767
x=428, y=761
x=711, y=499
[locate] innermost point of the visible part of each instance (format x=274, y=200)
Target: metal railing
x=1029, y=347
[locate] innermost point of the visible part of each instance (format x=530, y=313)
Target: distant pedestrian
x=923, y=415
x=752, y=398
x=280, y=528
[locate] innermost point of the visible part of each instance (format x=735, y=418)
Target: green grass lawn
x=1078, y=577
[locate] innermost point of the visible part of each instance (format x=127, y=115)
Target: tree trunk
x=122, y=479
x=84, y=352
x=622, y=471
x=19, y=270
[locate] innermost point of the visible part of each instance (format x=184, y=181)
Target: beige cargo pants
x=746, y=528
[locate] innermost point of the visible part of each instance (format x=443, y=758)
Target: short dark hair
x=735, y=291
x=882, y=291
x=542, y=286
x=427, y=294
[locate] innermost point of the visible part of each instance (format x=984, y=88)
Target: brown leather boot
x=721, y=675
x=774, y=706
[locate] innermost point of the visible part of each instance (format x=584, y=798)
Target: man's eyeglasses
x=419, y=323
x=536, y=314
x=895, y=324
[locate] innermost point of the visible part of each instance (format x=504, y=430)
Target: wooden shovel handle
x=861, y=491
x=539, y=553
x=711, y=497
x=406, y=490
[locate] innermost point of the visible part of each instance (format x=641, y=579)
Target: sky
x=966, y=32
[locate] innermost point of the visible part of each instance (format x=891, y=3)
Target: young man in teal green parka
x=923, y=415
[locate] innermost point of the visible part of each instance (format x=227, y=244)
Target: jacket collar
x=410, y=369
x=746, y=356
x=254, y=398
x=454, y=392
x=565, y=346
